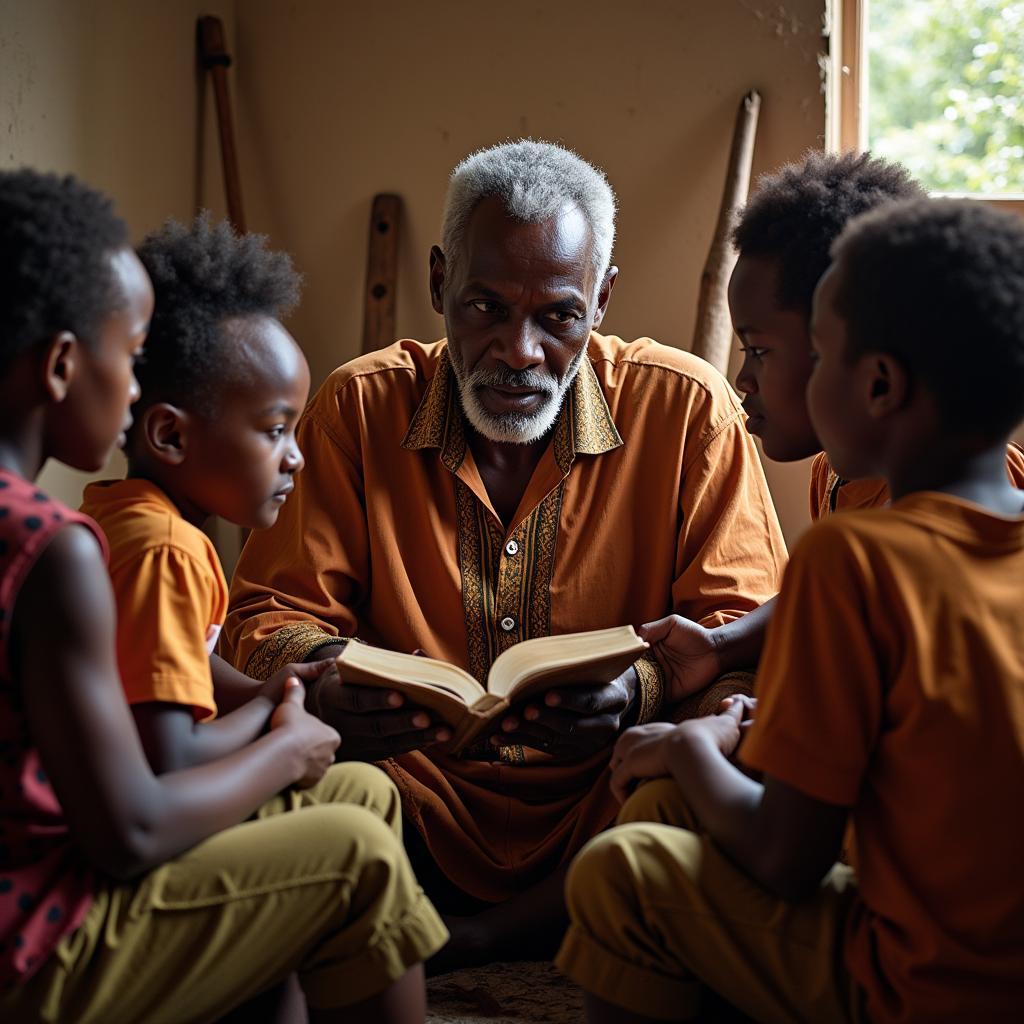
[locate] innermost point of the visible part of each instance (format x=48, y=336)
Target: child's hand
x=687, y=653
x=315, y=741
x=304, y=671
x=641, y=753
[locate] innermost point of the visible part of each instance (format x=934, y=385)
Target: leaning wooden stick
x=213, y=57
x=712, y=336
x=381, y=273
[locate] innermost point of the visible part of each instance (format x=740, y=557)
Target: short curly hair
x=798, y=211
x=56, y=239
x=204, y=274
x=940, y=284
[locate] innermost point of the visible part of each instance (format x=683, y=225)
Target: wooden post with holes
x=712, y=336
x=382, y=272
x=213, y=57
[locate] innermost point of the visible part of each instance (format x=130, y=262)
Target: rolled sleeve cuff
x=287, y=645
x=651, y=684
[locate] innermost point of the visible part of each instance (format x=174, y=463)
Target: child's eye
x=753, y=353
x=138, y=358
x=276, y=432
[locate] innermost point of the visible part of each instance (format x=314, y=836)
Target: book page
x=570, y=657
x=374, y=666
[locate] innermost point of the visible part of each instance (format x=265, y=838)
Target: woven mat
x=504, y=994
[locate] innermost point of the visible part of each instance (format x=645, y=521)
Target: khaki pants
x=316, y=883
x=657, y=912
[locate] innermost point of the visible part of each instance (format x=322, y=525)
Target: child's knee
x=659, y=800
x=364, y=785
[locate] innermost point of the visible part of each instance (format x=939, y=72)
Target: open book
x=532, y=666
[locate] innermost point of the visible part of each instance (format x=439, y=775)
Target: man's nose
x=518, y=345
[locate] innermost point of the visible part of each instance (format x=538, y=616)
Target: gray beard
x=513, y=428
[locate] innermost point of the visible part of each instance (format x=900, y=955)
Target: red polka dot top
x=46, y=885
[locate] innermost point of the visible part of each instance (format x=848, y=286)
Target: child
x=783, y=238
x=127, y=896
x=891, y=690
x=223, y=384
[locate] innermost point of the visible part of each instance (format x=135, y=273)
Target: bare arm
x=173, y=740
x=784, y=839
x=125, y=818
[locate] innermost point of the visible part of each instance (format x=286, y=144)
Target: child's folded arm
x=124, y=818
x=783, y=838
x=173, y=739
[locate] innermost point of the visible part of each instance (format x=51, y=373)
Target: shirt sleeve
x=731, y=552
x=818, y=492
x=819, y=687
x=169, y=607
x=297, y=584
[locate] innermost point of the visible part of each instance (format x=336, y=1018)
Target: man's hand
x=374, y=723
x=687, y=653
x=315, y=741
x=571, y=722
x=647, y=751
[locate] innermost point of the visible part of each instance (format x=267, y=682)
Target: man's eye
x=486, y=306
x=563, y=316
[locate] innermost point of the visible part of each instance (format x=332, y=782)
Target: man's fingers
x=588, y=700
x=360, y=700
x=655, y=632
x=386, y=724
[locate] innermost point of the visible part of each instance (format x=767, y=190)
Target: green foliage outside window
x=946, y=91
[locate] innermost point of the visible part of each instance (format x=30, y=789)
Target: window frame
x=847, y=81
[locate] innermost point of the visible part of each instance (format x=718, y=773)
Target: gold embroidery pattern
x=437, y=422
x=651, y=681
x=586, y=425
x=288, y=644
x=477, y=592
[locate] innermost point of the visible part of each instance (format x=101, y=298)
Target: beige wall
x=335, y=101
x=107, y=90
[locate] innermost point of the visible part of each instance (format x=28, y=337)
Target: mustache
x=499, y=377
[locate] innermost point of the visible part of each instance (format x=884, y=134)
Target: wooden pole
x=381, y=273
x=712, y=336
x=213, y=57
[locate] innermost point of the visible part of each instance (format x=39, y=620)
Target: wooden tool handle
x=381, y=273
x=214, y=58
x=712, y=336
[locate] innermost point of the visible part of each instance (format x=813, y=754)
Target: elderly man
x=526, y=476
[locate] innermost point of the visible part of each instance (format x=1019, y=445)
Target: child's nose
x=293, y=459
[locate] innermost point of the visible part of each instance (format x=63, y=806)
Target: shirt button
x=511, y=548
x=508, y=623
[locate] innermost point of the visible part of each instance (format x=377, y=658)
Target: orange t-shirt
x=892, y=683
x=830, y=493
x=170, y=590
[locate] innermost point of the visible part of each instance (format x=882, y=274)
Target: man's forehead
x=499, y=246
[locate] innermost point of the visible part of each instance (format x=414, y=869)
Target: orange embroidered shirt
x=892, y=683
x=649, y=499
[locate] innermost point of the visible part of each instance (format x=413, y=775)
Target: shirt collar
x=584, y=425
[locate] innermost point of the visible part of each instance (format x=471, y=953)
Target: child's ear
x=165, y=430
x=888, y=384
x=60, y=361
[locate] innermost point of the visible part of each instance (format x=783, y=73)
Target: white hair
x=535, y=180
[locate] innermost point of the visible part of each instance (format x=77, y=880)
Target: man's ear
x=605, y=293
x=437, y=268
x=887, y=384
x=164, y=430
x=60, y=362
